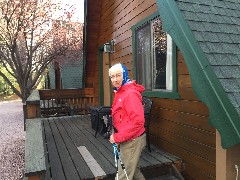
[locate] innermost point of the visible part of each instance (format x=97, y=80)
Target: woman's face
x=116, y=78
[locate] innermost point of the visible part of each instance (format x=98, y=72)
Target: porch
x=65, y=147
x=72, y=152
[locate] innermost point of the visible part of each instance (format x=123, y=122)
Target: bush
x=5, y=89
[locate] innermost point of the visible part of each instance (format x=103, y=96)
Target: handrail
x=65, y=93
x=60, y=102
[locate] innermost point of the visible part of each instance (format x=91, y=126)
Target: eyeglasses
x=116, y=76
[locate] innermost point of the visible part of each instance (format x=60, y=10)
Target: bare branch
x=32, y=36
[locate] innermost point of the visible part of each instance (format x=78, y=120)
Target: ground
x=12, y=138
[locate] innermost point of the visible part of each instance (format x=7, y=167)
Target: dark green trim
x=134, y=53
x=110, y=85
x=174, y=63
x=100, y=60
x=144, y=21
x=162, y=94
x=222, y=114
x=156, y=93
x=84, y=42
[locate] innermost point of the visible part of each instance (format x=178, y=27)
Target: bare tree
x=32, y=35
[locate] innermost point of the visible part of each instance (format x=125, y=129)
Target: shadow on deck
x=64, y=138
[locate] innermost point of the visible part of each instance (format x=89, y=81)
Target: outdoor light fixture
x=109, y=47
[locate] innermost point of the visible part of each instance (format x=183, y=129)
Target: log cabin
x=187, y=55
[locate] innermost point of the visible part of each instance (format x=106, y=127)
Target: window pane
x=154, y=56
x=143, y=44
x=159, y=38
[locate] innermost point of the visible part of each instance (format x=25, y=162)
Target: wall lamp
x=109, y=47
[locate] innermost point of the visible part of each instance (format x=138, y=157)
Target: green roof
x=208, y=34
x=52, y=78
x=71, y=75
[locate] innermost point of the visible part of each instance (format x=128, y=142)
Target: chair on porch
x=147, y=105
x=98, y=124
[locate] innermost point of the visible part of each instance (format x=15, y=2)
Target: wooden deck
x=64, y=139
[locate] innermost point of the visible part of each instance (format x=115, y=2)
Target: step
x=166, y=172
x=164, y=177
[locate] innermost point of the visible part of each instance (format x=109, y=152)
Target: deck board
x=53, y=156
x=91, y=162
x=142, y=161
x=92, y=143
x=78, y=162
x=63, y=136
x=77, y=138
x=70, y=135
x=63, y=150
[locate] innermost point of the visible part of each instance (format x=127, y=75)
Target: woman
x=128, y=121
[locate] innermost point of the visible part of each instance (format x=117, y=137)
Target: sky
x=79, y=6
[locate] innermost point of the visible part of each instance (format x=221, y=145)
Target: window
x=154, y=58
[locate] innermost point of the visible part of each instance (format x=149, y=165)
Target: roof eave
x=222, y=115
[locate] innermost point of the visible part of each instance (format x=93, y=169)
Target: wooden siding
x=108, y=26
x=92, y=33
x=177, y=126
x=181, y=127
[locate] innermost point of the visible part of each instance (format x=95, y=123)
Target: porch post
x=221, y=159
x=226, y=160
x=33, y=105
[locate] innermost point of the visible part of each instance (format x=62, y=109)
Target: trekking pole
x=117, y=156
x=116, y=159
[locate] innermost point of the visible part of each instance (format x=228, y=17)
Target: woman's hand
x=111, y=139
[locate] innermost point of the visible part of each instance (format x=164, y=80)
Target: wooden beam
x=33, y=105
x=221, y=159
x=35, y=166
x=226, y=160
x=33, y=111
x=34, y=178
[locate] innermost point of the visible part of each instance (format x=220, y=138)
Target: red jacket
x=128, y=113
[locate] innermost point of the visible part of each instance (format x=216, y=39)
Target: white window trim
x=169, y=65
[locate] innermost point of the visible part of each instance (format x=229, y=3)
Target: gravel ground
x=12, y=138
